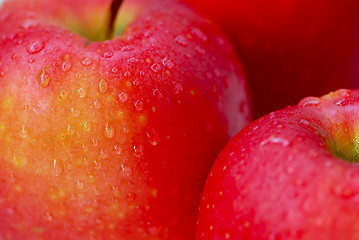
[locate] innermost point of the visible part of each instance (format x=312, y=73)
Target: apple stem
x=111, y=17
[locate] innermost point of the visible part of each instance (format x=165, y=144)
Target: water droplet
x=107, y=54
x=200, y=50
x=97, y=104
x=103, y=86
x=127, y=74
x=58, y=167
x=117, y=149
x=24, y=132
x=43, y=78
x=103, y=153
x=87, y=126
x=114, y=70
x=31, y=60
x=344, y=191
x=304, y=122
x=310, y=101
x=157, y=93
x=86, y=62
x=127, y=48
x=95, y=142
x=81, y=92
x=153, y=137
x=126, y=171
x=177, y=87
x=133, y=60
x=344, y=102
x=181, y=40
x=63, y=94
x=66, y=66
x=70, y=129
x=136, y=82
x=75, y=112
x=35, y=47
x=80, y=184
x=139, y=105
x=156, y=68
x=138, y=151
x=123, y=97
x=168, y=63
x=109, y=131
x=199, y=34
x=275, y=140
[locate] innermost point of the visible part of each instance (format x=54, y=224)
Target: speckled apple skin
x=284, y=176
x=113, y=139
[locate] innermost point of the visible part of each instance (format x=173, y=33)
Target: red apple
x=292, y=174
x=290, y=48
x=111, y=139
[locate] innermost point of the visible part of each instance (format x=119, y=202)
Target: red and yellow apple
x=290, y=48
x=292, y=174
x=111, y=139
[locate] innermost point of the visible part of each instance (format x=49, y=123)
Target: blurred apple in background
x=290, y=48
x=292, y=174
x=111, y=139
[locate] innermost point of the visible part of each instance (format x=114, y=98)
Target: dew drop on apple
x=168, y=63
x=103, y=86
x=126, y=171
x=24, y=132
x=75, y=111
x=200, y=50
x=181, y=40
x=35, y=47
x=87, y=126
x=58, y=167
x=275, y=140
x=97, y=104
x=81, y=92
x=43, y=78
x=107, y=54
x=310, y=101
x=114, y=70
x=139, y=105
x=123, y=97
x=138, y=151
x=153, y=137
x=177, y=88
x=95, y=142
x=103, y=153
x=156, y=68
x=157, y=93
x=80, y=184
x=127, y=74
x=117, y=149
x=199, y=34
x=63, y=94
x=109, y=131
x=304, y=122
x=66, y=66
x=70, y=129
x=86, y=62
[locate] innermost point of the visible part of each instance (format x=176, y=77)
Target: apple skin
x=285, y=176
x=290, y=48
x=112, y=139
